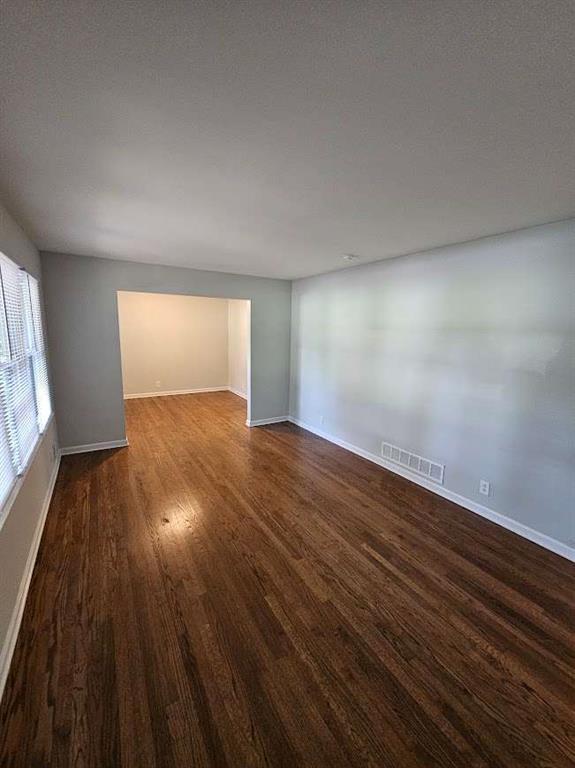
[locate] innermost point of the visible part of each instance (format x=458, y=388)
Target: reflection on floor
x=219, y=596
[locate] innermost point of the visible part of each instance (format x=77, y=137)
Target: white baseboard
x=262, y=422
x=165, y=393
x=558, y=547
x=94, y=447
x=14, y=627
x=238, y=393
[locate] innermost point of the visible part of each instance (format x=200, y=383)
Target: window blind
x=25, y=405
x=39, y=360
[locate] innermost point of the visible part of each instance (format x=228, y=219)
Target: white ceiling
x=269, y=138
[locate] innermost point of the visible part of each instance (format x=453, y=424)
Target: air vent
x=430, y=469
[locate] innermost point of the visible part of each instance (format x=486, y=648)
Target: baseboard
x=94, y=447
x=175, y=392
x=238, y=393
x=14, y=626
x=558, y=547
x=262, y=422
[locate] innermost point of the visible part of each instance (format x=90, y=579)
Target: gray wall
x=464, y=354
x=21, y=522
x=81, y=308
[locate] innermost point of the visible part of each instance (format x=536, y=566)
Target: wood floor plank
x=218, y=596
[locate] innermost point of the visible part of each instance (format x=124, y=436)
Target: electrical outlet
x=484, y=487
x=158, y=384
x=322, y=420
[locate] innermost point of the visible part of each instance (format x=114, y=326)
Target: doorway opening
x=174, y=344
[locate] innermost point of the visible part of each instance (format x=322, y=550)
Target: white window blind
x=24, y=390
x=39, y=361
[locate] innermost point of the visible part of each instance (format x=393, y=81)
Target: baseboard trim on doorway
x=263, y=422
x=238, y=393
x=94, y=447
x=166, y=393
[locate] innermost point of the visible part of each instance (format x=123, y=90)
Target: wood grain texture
x=219, y=596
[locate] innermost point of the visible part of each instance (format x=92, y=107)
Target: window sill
x=21, y=479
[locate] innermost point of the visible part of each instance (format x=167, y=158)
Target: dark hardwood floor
x=220, y=596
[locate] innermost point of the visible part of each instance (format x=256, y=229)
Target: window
x=25, y=406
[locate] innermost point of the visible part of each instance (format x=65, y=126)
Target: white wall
x=238, y=345
x=172, y=343
x=22, y=526
x=465, y=355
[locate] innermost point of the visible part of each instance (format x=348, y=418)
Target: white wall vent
x=430, y=469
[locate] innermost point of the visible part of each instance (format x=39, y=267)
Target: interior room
x=287, y=384
x=182, y=345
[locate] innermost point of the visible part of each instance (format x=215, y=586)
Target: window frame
x=34, y=353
